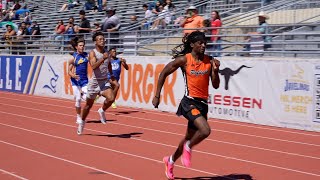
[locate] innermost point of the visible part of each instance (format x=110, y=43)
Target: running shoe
x=102, y=116
x=97, y=98
x=186, y=156
x=114, y=105
x=78, y=119
x=81, y=124
x=169, y=167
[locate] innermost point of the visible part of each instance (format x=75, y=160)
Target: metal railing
x=133, y=43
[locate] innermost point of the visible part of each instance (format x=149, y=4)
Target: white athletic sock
x=171, y=160
x=78, y=116
x=187, y=146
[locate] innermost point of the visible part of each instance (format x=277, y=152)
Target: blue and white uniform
x=116, y=69
x=81, y=69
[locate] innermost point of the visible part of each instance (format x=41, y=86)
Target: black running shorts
x=191, y=109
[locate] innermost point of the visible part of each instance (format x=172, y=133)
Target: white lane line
x=235, y=123
x=212, y=154
x=146, y=119
x=62, y=159
x=167, y=132
x=104, y=148
x=12, y=174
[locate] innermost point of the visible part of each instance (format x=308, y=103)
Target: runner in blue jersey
x=78, y=71
x=116, y=68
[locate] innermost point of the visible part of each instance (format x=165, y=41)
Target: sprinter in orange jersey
x=197, y=69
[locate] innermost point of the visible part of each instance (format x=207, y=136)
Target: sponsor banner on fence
x=19, y=73
x=241, y=93
x=316, y=94
x=275, y=93
x=283, y=93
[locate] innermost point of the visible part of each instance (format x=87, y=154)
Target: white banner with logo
x=283, y=93
x=277, y=93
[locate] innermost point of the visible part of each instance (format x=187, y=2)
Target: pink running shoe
x=186, y=156
x=169, y=168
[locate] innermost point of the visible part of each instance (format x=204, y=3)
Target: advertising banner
x=282, y=93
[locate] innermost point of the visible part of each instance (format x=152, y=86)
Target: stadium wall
x=276, y=92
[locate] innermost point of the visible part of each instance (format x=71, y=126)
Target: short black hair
x=145, y=5
x=95, y=35
x=82, y=12
x=113, y=48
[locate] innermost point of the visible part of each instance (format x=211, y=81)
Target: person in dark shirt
x=84, y=26
x=35, y=29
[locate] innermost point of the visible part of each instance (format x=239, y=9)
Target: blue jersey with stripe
x=116, y=69
x=81, y=69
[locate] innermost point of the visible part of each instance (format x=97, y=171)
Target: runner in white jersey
x=99, y=84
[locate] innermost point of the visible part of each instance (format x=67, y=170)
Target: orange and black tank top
x=196, y=77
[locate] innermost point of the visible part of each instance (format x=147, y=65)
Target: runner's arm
x=110, y=70
x=70, y=67
x=215, y=79
x=169, y=69
x=94, y=62
x=124, y=63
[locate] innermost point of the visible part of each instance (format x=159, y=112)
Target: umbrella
x=21, y=11
x=5, y=23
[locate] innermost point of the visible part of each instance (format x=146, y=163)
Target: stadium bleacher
x=238, y=17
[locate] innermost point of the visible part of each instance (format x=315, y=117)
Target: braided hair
x=186, y=48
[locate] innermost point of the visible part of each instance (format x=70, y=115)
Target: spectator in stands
x=207, y=32
x=112, y=25
x=59, y=31
x=71, y=4
x=16, y=6
x=148, y=17
x=22, y=36
x=97, y=27
x=28, y=27
x=70, y=30
x=134, y=23
x=28, y=18
x=168, y=6
x=24, y=31
x=8, y=36
x=99, y=5
x=35, y=30
x=261, y=30
x=12, y=15
x=216, y=23
x=133, y=19
x=156, y=9
x=5, y=16
x=84, y=26
x=163, y=18
x=89, y=5
x=192, y=20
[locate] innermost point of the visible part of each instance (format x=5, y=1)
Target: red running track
x=38, y=141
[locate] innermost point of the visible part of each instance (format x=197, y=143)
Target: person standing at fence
x=259, y=40
x=78, y=71
x=99, y=84
x=116, y=64
x=197, y=69
x=111, y=25
x=216, y=40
